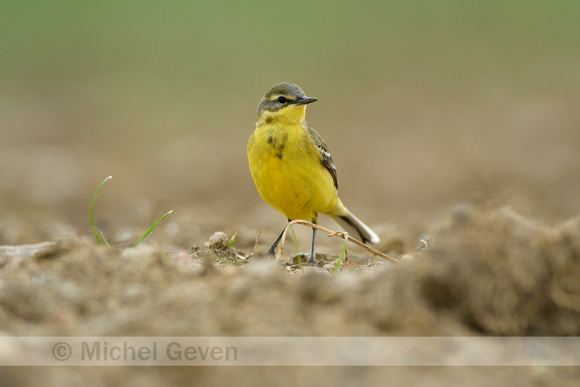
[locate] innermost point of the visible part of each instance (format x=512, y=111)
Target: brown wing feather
x=325, y=156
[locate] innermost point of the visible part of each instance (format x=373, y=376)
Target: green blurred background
x=423, y=104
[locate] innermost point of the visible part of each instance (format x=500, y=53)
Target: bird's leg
x=311, y=261
x=272, y=249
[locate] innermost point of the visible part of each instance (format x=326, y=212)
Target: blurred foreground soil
x=489, y=271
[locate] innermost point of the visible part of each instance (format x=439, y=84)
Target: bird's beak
x=306, y=100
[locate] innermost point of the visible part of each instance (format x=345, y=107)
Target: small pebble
x=218, y=241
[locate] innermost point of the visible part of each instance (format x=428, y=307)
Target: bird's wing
x=325, y=156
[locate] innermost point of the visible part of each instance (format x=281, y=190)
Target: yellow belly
x=288, y=173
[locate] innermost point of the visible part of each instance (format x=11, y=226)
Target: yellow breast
x=287, y=170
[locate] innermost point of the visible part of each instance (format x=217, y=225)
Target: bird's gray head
x=281, y=100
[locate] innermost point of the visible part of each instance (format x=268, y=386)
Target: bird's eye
x=282, y=99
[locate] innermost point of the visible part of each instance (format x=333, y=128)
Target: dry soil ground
x=489, y=271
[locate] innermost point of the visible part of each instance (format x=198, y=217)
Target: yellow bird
x=292, y=167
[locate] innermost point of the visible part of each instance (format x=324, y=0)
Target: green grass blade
x=295, y=240
x=151, y=229
x=104, y=239
x=340, y=258
x=299, y=256
x=232, y=241
x=296, y=248
x=91, y=212
x=166, y=257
